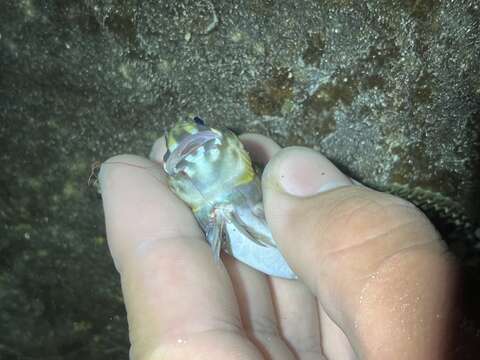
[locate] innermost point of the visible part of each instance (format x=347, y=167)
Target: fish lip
x=188, y=145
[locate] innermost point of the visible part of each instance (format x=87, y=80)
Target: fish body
x=211, y=171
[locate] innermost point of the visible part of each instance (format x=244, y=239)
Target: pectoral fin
x=248, y=231
x=214, y=235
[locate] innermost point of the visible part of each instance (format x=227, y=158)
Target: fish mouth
x=188, y=145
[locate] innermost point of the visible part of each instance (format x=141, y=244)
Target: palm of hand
x=180, y=303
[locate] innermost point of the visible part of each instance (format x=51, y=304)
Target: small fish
x=212, y=172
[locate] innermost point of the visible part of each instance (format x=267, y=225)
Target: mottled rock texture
x=389, y=90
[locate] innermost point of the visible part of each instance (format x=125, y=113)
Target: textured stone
x=389, y=90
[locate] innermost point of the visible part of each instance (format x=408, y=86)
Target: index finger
x=175, y=294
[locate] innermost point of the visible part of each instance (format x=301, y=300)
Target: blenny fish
x=213, y=174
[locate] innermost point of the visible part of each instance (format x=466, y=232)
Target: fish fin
x=214, y=235
x=248, y=231
x=259, y=212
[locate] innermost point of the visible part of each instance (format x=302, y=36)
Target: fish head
x=203, y=162
x=185, y=142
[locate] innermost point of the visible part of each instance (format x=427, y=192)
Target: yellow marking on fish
x=190, y=128
x=195, y=209
x=179, y=131
x=171, y=142
x=247, y=176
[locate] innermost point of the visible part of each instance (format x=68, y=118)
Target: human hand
x=375, y=279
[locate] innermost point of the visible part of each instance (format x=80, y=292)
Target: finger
x=252, y=292
x=361, y=252
x=159, y=148
x=260, y=147
x=297, y=313
x=335, y=344
x=251, y=286
x=177, y=298
x=257, y=310
x=295, y=306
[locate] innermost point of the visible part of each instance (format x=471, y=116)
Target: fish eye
x=198, y=121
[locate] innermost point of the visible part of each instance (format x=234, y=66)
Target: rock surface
x=389, y=90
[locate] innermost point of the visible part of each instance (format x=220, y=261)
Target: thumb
x=361, y=252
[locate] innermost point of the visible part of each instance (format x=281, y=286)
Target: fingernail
x=101, y=178
x=304, y=172
x=158, y=150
